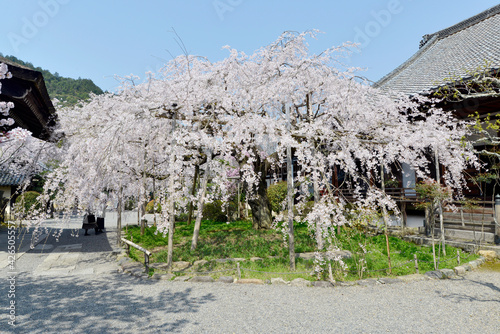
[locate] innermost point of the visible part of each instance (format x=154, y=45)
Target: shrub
x=181, y=217
x=130, y=204
x=277, y=194
x=28, y=200
x=213, y=211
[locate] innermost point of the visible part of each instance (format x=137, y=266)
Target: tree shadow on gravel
x=488, y=285
x=112, y=304
x=485, y=296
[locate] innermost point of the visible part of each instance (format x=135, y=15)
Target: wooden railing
x=147, y=253
x=399, y=194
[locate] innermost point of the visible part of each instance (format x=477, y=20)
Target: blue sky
x=97, y=39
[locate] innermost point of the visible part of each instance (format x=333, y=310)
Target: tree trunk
x=193, y=191
x=143, y=226
x=261, y=211
x=259, y=203
x=119, y=219
x=201, y=204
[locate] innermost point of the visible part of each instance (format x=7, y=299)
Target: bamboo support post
x=497, y=219
x=416, y=263
x=330, y=274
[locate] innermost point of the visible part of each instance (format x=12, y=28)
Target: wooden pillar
x=404, y=216
x=427, y=221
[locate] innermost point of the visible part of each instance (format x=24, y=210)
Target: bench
x=89, y=222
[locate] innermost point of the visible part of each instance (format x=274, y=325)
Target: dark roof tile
x=449, y=54
x=8, y=179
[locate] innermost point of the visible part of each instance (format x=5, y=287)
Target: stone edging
x=136, y=269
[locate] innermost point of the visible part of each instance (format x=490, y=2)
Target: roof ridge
x=407, y=63
x=9, y=62
x=462, y=25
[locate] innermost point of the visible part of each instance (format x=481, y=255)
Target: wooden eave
x=33, y=109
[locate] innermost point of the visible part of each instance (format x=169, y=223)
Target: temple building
x=460, y=66
x=33, y=111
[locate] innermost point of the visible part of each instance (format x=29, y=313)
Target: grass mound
x=238, y=240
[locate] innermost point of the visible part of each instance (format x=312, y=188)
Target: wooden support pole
x=330, y=273
x=119, y=219
x=146, y=262
x=291, y=236
x=385, y=216
x=440, y=205
x=239, y=198
x=290, y=197
x=171, y=201
x=416, y=263
x=497, y=219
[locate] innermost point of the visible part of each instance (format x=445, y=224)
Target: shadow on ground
x=485, y=296
x=118, y=304
x=48, y=239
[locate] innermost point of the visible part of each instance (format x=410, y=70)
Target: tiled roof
x=451, y=52
x=33, y=110
x=7, y=179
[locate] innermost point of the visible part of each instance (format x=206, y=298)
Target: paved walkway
x=62, y=249
x=72, y=286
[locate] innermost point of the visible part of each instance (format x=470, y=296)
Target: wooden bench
x=89, y=223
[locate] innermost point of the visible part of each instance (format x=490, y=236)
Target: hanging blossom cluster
x=240, y=115
x=5, y=106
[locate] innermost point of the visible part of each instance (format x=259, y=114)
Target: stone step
x=467, y=235
x=478, y=228
x=468, y=216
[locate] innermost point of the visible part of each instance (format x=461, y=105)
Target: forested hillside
x=67, y=90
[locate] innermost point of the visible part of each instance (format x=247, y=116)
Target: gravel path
x=100, y=301
x=122, y=304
